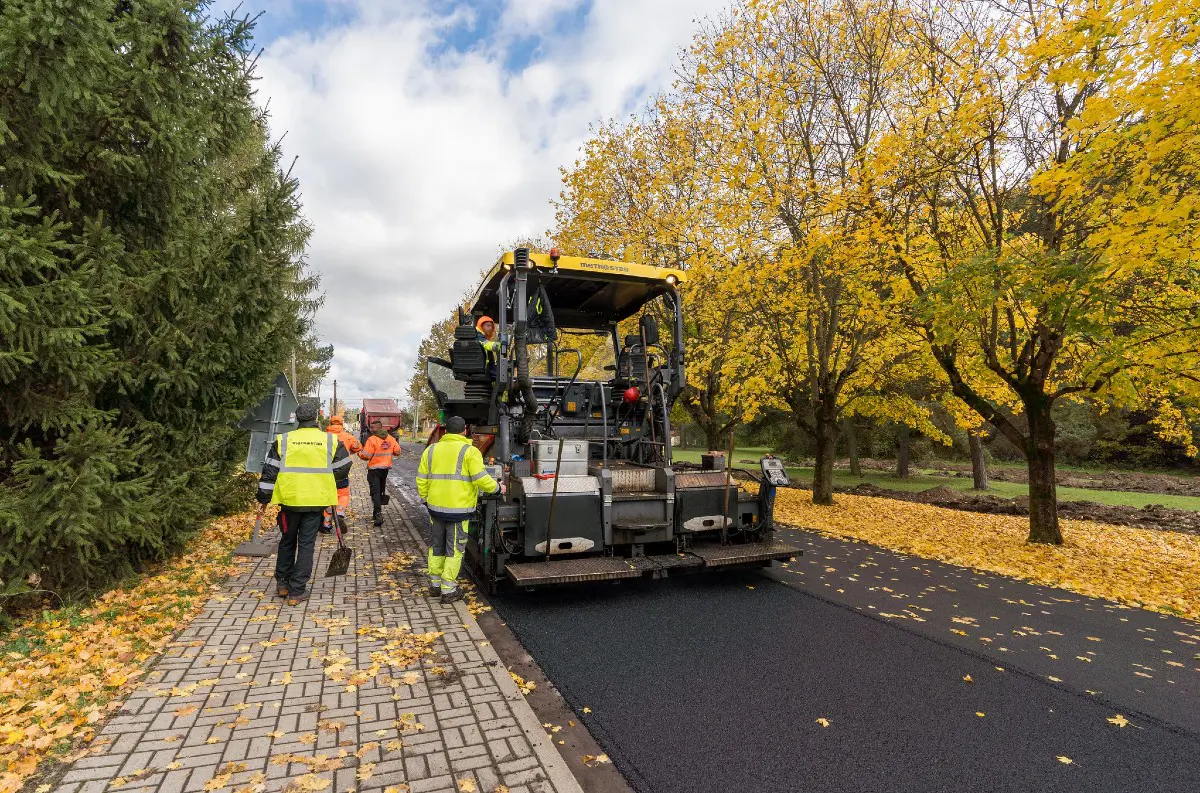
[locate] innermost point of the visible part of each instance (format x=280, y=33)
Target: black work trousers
x=377, y=479
x=293, y=565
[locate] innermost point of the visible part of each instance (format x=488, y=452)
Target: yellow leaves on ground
x=74, y=665
x=591, y=761
x=1157, y=570
x=824, y=722
x=526, y=686
x=1119, y=720
x=309, y=783
x=223, y=776
x=1064, y=759
x=401, y=648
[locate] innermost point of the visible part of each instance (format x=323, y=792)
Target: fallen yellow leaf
x=1119, y=720
x=824, y=722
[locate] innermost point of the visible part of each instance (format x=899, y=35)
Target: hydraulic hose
x=524, y=381
x=520, y=342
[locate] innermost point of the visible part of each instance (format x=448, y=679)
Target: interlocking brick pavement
x=329, y=694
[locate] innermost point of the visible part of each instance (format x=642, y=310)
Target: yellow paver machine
x=572, y=409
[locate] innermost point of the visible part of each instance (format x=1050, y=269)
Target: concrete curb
x=560, y=775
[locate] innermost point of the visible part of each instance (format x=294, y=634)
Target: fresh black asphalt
x=716, y=682
x=707, y=684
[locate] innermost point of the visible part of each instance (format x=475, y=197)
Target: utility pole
x=333, y=405
x=295, y=387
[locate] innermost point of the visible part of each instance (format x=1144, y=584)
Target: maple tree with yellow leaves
x=1048, y=227
x=879, y=198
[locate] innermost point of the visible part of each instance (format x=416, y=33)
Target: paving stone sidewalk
x=369, y=686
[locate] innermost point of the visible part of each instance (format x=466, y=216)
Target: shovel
x=340, y=562
x=253, y=547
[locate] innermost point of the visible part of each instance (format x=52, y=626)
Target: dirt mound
x=868, y=489
x=937, y=495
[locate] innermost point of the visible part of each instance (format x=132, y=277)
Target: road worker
x=485, y=333
x=449, y=479
x=337, y=428
x=378, y=451
x=302, y=473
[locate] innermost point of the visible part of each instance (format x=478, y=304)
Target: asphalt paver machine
x=573, y=415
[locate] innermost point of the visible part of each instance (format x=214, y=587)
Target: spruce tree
x=152, y=280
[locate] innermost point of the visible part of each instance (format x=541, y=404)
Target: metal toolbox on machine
x=574, y=457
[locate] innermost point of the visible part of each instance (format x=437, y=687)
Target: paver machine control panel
x=773, y=470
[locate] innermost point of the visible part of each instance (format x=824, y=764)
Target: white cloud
x=417, y=163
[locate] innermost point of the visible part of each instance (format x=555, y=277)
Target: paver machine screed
x=573, y=414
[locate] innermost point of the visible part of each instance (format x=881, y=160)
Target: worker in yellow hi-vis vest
x=302, y=473
x=450, y=478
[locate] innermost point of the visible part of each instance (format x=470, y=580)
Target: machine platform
x=570, y=571
x=725, y=555
x=610, y=568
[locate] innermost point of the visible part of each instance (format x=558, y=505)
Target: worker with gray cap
x=302, y=474
x=449, y=479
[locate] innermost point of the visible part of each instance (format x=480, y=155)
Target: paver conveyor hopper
x=573, y=414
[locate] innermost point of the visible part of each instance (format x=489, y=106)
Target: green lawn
x=748, y=458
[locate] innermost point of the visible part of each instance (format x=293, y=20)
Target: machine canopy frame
x=585, y=293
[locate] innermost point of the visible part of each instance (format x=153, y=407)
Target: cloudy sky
x=430, y=132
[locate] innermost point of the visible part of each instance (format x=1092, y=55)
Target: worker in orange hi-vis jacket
x=379, y=451
x=337, y=428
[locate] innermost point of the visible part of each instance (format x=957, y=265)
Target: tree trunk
x=902, y=452
x=1043, y=496
x=826, y=438
x=713, y=439
x=978, y=465
x=852, y=447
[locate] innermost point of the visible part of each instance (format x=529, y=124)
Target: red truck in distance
x=385, y=410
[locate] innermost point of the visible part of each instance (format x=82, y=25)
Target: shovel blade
x=339, y=563
x=254, y=549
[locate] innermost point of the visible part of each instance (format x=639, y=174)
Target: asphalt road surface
x=929, y=677
x=716, y=683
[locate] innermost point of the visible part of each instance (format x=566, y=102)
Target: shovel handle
x=337, y=527
x=262, y=508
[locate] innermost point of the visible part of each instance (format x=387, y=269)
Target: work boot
x=282, y=591
x=379, y=519
x=294, y=599
x=452, y=597
x=325, y=530
x=434, y=591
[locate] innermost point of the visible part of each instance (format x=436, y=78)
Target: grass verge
x=748, y=458
x=1157, y=570
x=63, y=671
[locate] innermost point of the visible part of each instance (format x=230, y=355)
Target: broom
x=340, y=562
